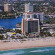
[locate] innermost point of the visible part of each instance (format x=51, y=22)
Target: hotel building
x=30, y=26
x=30, y=21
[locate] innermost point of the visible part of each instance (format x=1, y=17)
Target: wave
x=13, y=53
x=41, y=50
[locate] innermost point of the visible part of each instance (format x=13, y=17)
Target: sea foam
x=41, y=50
x=13, y=53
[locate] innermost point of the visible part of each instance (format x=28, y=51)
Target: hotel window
x=28, y=16
x=35, y=16
x=39, y=16
x=23, y=16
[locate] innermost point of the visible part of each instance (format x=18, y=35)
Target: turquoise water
x=30, y=51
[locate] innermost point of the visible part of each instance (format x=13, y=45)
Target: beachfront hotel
x=30, y=26
x=31, y=20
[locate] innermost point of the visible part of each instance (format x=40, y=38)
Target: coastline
x=48, y=42
x=25, y=48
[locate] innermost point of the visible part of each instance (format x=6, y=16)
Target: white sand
x=27, y=44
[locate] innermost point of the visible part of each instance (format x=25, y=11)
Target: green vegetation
x=38, y=7
x=1, y=37
x=18, y=31
x=45, y=33
x=8, y=30
x=26, y=33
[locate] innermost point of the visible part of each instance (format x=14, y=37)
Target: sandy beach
x=37, y=42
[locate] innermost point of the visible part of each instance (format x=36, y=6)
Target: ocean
x=30, y=51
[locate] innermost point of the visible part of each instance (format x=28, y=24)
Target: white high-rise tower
x=30, y=14
x=30, y=21
x=28, y=7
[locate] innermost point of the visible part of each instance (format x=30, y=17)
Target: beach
x=35, y=42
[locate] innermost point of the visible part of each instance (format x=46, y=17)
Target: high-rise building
x=7, y=7
x=30, y=22
x=34, y=15
x=30, y=26
x=29, y=14
x=28, y=7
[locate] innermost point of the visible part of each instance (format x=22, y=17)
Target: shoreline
x=27, y=44
x=26, y=48
x=10, y=17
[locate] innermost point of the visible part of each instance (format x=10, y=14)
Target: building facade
x=29, y=14
x=28, y=7
x=7, y=7
x=1, y=8
x=30, y=26
x=34, y=15
x=30, y=21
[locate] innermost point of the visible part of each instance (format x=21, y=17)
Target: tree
x=18, y=31
x=48, y=33
x=41, y=34
x=13, y=37
x=8, y=30
x=53, y=34
x=1, y=37
x=26, y=33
